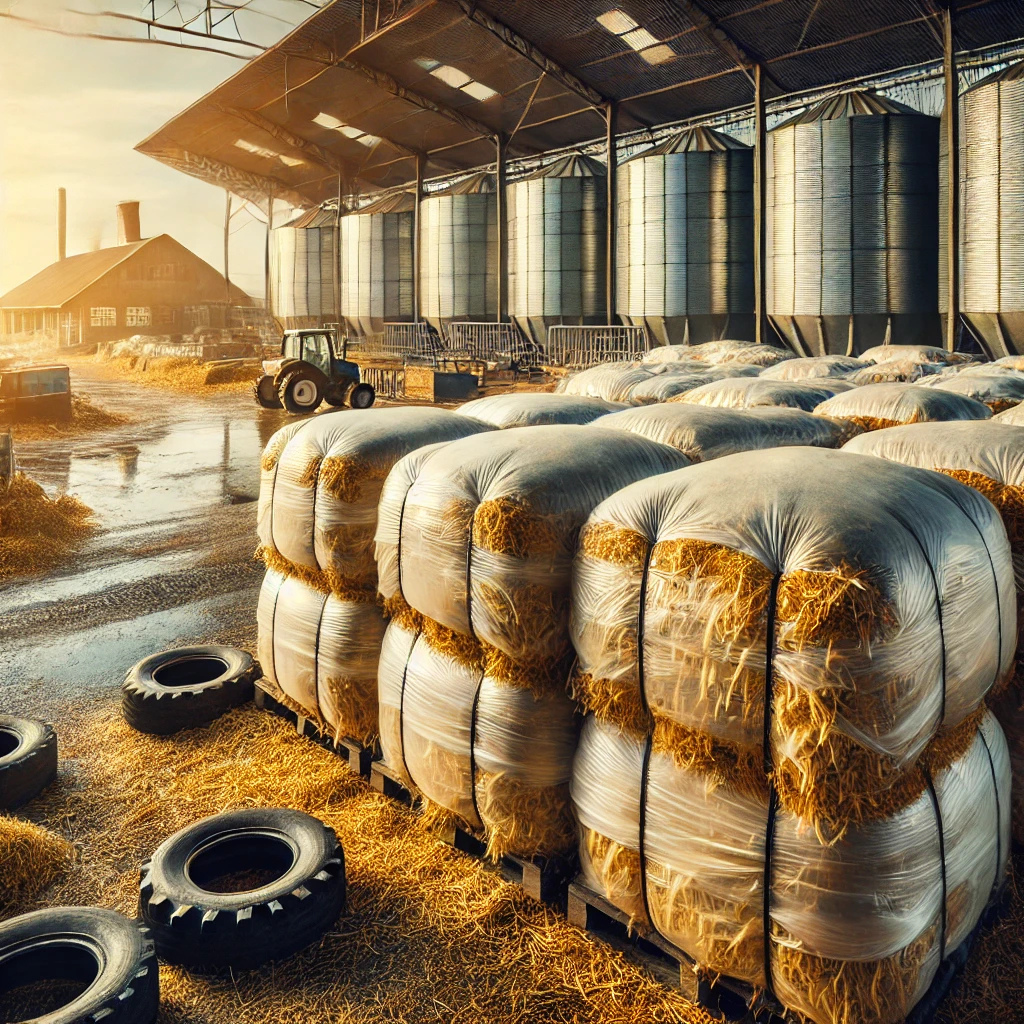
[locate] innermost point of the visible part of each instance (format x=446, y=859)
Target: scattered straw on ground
x=86, y=418
x=38, y=532
x=429, y=934
x=31, y=858
x=180, y=374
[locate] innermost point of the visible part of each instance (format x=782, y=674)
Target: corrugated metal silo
x=685, y=239
x=852, y=226
x=377, y=264
x=991, y=211
x=557, y=244
x=459, y=252
x=303, y=261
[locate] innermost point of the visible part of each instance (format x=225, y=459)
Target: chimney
x=128, y=229
x=62, y=223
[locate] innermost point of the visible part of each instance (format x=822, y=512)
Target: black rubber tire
x=76, y=944
x=186, y=687
x=336, y=395
x=361, y=396
x=286, y=391
x=28, y=766
x=265, y=392
x=198, y=927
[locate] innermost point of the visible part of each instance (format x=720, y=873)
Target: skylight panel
x=649, y=46
x=269, y=154
x=457, y=79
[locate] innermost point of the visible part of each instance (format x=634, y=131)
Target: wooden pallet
x=544, y=879
x=358, y=757
x=727, y=999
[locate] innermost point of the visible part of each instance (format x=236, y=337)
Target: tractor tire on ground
x=337, y=395
x=265, y=391
x=361, y=396
x=186, y=687
x=242, y=888
x=300, y=392
x=77, y=965
x=28, y=760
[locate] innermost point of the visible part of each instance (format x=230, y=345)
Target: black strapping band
x=942, y=860
x=398, y=546
x=645, y=770
x=472, y=746
x=769, y=767
x=401, y=705
x=316, y=649
x=999, y=810
x=273, y=629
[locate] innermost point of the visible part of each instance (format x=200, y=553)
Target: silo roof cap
x=1011, y=74
x=575, y=165
x=854, y=103
x=693, y=140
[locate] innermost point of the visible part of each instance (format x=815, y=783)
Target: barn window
x=103, y=316
x=137, y=316
x=166, y=316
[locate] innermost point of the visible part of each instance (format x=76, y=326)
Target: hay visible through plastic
x=510, y=526
x=31, y=858
x=38, y=532
x=534, y=821
x=615, y=871
x=352, y=704
x=361, y=589
x=344, y=477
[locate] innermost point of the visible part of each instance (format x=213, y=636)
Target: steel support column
x=336, y=262
x=227, y=244
x=951, y=127
x=760, y=210
x=501, y=212
x=611, y=156
x=266, y=255
x=417, y=244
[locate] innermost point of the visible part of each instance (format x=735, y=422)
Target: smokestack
x=128, y=229
x=62, y=223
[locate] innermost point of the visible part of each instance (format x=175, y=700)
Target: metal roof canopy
x=398, y=71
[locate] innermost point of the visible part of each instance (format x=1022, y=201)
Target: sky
x=72, y=111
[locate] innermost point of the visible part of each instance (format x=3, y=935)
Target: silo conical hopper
x=459, y=252
x=303, y=262
x=557, y=243
x=852, y=226
x=685, y=239
x=991, y=212
x=377, y=264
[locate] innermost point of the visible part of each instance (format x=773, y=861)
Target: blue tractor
x=314, y=367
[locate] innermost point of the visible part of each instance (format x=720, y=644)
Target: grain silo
x=852, y=226
x=303, y=270
x=557, y=244
x=991, y=212
x=685, y=239
x=377, y=264
x=459, y=252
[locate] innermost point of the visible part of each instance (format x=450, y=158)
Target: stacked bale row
x=320, y=626
x=475, y=541
x=788, y=770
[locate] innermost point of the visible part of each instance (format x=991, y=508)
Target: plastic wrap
x=758, y=355
x=813, y=367
x=615, y=382
x=499, y=757
x=479, y=534
x=745, y=393
x=856, y=926
x=1012, y=362
x=1013, y=416
x=702, y=433
x=531, y=409
x=989, y=456
x=322, y=651
x=876, y=406
x=321, y=479
x=665, y=386
x=912, y=353
x=890, y=592
x=690, y=353
x=999, y=391
x=893, y=371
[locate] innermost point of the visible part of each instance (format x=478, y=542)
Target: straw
x=31, y=858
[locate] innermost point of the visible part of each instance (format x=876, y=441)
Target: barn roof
x=365, y=88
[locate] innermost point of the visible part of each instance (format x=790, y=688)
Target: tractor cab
x=313, y=368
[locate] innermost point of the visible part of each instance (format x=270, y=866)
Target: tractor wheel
x=361, y=396
x=300, y=392
x=266, y=392
x=337, y=395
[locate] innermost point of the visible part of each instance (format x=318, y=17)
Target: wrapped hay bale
x=702, y=433
x=867, y=608
x=746, y=393
x=758, y=355
x=892, y=371
x=920, y=354
x=531, y=409
x=497, y=756
x=688, y=353
x=812, y=367
x=479, y=534
x=999, y=391
x=877, y=406
x=1011, y=362
x=856, y=929
x=666, y=386
x=321, y=652
x=614, y=382
x=321, y=478
x=987, y=455
x=1013, y=416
